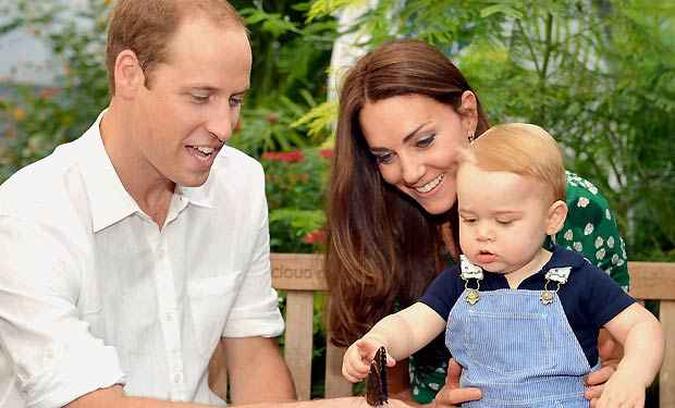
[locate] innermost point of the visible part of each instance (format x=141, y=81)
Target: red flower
x=294, y=156
x=326, y=153
x=315, y=237
x=48, y=93
x=269, y=156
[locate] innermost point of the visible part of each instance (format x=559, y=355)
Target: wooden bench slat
x=652, y=280
x=298, y=340
x=298, y=271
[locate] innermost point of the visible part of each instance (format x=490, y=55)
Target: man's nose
x=219, y=125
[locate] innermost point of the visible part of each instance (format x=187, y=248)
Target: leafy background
x=599, y=74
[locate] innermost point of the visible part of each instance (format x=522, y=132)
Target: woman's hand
x=622, y=390
x=451, y=394
x=610, y=352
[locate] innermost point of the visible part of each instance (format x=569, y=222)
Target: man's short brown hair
x=147, y=26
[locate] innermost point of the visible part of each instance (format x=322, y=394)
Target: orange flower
x=19, y=114
x=48, y=93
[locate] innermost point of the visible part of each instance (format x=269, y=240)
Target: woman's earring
x=472, y=137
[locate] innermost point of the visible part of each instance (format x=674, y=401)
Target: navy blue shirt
x=590, y=298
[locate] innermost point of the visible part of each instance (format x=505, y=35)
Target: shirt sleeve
x=603, y=299
x=50, y=350
x=256, y=310
x=591, y=229
x=442, y=293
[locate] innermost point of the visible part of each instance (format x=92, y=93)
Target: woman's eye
x=468, y=220
x=426, y=141
x=384, y=158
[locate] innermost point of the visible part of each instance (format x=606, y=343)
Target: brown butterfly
x=377, y=394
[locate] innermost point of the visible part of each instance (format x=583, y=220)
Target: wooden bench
x=300, y=275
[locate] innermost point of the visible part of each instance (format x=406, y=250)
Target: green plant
x=288, y=77
x=295, y=190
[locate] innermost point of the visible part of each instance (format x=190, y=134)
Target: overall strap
x=470, y=271
x=558, y=275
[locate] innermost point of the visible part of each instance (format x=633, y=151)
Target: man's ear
x=129, y=76
x=555, y=218
x=468, y=111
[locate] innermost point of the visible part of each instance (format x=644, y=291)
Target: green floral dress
x=590, y=228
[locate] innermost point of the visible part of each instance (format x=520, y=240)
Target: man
x=128, y=254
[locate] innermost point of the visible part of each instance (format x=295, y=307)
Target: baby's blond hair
x=523, y=149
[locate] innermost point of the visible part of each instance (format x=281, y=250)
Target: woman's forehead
x=398, y=116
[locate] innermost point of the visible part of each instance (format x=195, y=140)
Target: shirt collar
x=200, y=196
x=562, y=257
x=204, y=195
x=109, y=201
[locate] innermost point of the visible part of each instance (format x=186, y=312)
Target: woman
x=405, y=111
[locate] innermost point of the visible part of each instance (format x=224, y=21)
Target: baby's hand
x=357, y=358
x=622, y=391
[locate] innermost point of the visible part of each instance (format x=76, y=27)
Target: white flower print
x=578, y=246
x=588, y=229
x=434, y=386
x=608, y=215
x=610, y=242
x=599, y=241
x=615, y=259
x=600, y=254
x=621, y=262
x=568, y=235
x=583, y=202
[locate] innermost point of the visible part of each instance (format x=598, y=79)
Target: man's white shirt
x=93, y=293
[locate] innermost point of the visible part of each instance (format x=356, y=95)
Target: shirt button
x=177, y=378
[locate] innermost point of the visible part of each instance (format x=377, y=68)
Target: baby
x=521, y=320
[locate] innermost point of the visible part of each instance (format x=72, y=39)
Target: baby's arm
x=643, y=341
x=401, y=333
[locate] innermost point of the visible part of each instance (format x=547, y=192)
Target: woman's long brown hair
x=383, y=248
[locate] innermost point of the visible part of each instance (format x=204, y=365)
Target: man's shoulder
x=41, y=187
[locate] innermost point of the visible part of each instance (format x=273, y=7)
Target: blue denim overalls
x=516, y=345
